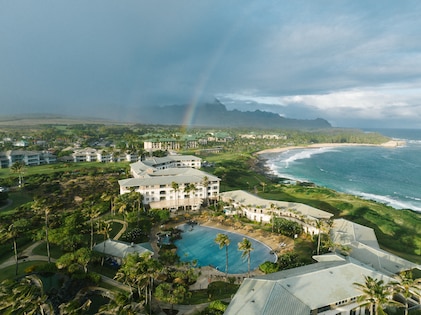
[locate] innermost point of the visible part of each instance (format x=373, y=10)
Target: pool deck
x=278, y=244
x=274, y=241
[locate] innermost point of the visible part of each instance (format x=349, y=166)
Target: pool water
x=198, y=242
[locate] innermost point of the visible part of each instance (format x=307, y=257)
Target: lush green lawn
x=217, y=290
x=9, y=272
x=60, y=167
x=17, y=198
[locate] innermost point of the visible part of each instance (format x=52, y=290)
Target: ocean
x=388, y=175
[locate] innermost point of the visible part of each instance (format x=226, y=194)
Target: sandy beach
x=389, y=144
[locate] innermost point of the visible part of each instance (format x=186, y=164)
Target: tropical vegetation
x=68, y=207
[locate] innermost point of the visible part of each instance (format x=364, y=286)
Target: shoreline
x=388, y=144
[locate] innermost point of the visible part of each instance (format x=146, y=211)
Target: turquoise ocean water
x=388, y=175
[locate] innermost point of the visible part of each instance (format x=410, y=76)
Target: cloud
x=109, y=57
x=382, y=104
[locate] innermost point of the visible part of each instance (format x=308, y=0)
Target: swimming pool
x=198, y=242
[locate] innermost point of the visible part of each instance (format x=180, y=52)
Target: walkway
x=28, y=256
x=123, y=229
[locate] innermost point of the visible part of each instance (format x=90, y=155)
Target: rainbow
x=208, y=71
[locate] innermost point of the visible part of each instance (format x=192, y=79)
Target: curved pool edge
x=270, y=249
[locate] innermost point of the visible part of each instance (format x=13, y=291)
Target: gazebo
x=118, y=249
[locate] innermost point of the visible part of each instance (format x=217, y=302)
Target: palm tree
x=18, y=168
x=205, y=183
x=121, y=207
x=104, y=228
x=13, y=234
x=93, y=213
x=138, y=271
x=108, y=197
x=263, y=186
x=272, y=211
x=319, y=225
x=39, y=206
x=223, y=241
x=189, y=189
x=176, y=189
x=74, y=307
x=246, y=247
x=171, y=293
x=47, y=241
x=121, y=303
x=192, y=189
x=407, y=287
x=24, y=297
x=375, y=295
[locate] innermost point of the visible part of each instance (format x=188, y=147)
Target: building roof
x=120, y=249
x=363, y=246
x=167, y=176
x=299, y=290
x=246, y=199
x=149, y=165
x=346, y=232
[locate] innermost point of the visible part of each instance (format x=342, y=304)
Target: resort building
x=263, y=210
x=169, y=144
x=161, y=163
x=327, y=286
x=172, y=182
x=361, y=243
x=104, y=156
x=29, y=158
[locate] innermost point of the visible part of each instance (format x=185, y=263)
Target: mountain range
x=216, y=115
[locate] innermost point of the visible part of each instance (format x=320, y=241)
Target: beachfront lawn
x=236, y=172
x=397, y=231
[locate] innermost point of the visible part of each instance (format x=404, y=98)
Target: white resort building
x=29, y=158
x=171, y=183
x=328, y=286
x=263, y=210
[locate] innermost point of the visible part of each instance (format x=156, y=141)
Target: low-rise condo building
x=172, y=182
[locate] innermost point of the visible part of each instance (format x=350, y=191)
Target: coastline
x=389, y=144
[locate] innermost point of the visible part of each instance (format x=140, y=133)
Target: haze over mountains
x=206, y=115
x=217, y=115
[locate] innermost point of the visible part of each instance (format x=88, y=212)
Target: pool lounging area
x=198, y=243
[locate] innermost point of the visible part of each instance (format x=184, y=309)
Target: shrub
x=215, y=308
x=268, y=267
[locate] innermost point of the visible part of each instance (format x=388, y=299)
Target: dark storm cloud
x=110, y=58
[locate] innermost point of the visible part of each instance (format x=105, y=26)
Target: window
x=323, y=309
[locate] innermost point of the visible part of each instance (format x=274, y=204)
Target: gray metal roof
x=119, y=249
x=364, y=247
x=345, y=232
x=246, y=199
x=167, y=176
x=299, y=290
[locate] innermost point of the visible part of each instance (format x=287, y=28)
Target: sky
x=355, y=63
